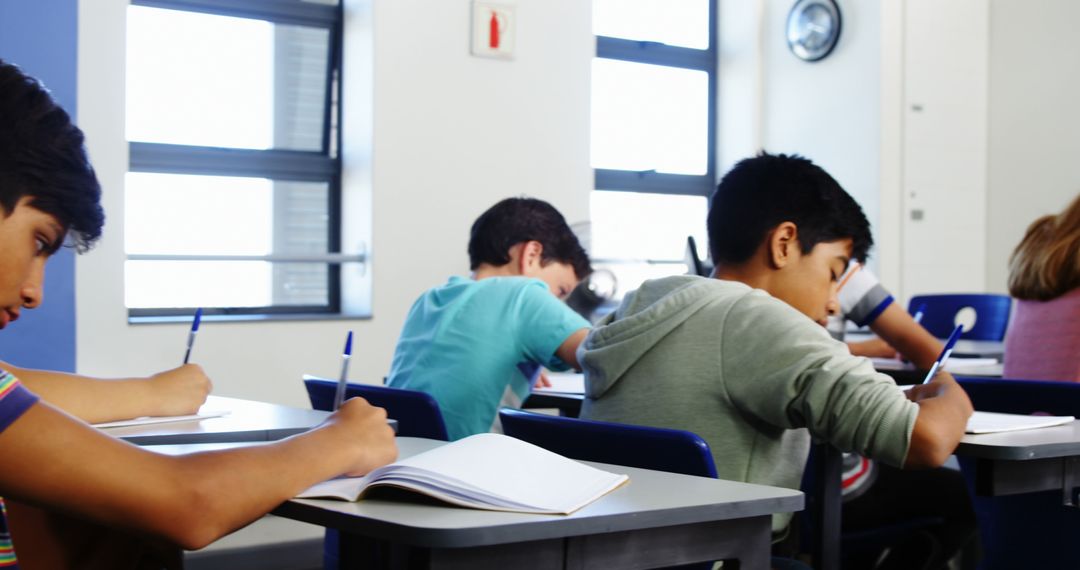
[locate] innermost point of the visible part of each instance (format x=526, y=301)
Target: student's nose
x=33, y=290
x=833, y=305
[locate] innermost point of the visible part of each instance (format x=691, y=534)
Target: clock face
x=813, y=27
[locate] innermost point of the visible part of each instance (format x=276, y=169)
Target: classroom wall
x=1034, y=121
x=452, y=135
x=39, y=37
x=828, y=111
x=852, y=114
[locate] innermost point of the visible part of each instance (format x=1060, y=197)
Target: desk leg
x=828, y=465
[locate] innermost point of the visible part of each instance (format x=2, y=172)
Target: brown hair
x=1046, y=264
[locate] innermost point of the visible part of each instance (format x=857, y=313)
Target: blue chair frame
x=991, y=314
x=417, y=413
x=659, y=449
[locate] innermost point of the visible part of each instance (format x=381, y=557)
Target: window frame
x=655, y=53
x=323, y=165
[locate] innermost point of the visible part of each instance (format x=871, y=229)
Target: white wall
x=452, y=135
x=828, y=111
x=852, y=114
x=1034, y=121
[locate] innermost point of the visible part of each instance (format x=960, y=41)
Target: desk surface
x=651, y=499
x=247, y=421
x=1057, y=441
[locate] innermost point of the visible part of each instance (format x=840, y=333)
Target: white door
x=943, y=227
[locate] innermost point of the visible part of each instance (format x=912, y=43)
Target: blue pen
x=949, y=344
x=191, y=335
x=339, y=395
x=917, y=317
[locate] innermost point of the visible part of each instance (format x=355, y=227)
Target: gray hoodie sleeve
x=781, y=368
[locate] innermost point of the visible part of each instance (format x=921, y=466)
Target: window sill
x=264, y=318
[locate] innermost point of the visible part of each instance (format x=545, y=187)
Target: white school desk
x=1025, y=495
x=658, y=519
x=247, y=420
x=1026, y=461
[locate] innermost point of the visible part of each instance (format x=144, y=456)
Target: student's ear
x=531, y=256
x=783, y=245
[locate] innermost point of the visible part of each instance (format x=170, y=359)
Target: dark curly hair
x=762, y=192
x=42, y=156
x=516, y=220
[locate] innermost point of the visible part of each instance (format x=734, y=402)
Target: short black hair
x=762, y=192
x=42, y=155
x=516, y=220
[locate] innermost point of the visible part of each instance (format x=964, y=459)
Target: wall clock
x=813, y=27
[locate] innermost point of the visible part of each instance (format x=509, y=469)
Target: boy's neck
x=487, y=270
x=743, y=273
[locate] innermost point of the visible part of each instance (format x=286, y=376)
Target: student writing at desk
x=103, y=503
x=876, y=494
x=736, y=359
x=477, y=343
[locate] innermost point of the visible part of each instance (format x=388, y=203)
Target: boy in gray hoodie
x=736, y=360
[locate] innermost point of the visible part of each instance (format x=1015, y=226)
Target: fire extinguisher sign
x=492, y=30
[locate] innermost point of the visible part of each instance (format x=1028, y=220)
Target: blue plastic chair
x=417, y=413
x=939, y=317
x=659, y=449
x=1032, y=518
x=1023, y=396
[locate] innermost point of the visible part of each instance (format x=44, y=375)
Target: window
x=232, y=199
x=653, y=134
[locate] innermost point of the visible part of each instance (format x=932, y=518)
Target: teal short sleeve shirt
x=476, y=344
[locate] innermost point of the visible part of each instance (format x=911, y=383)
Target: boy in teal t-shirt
x=477, y=343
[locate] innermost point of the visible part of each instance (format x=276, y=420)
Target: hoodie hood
x=645, y=317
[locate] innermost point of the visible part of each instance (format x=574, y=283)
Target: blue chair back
x=991, y=314
x=1023, y=396
x=417, y=413
x=659, y=449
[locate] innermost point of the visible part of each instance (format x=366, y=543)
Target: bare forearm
x=567, y=351
x=89, y=399
x=238, y=486
x=189, y=500
x=173, y=392
x=909, y=338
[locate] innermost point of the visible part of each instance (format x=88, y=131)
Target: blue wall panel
x=40, y=37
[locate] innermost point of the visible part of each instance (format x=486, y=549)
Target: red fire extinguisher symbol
x=493, y=31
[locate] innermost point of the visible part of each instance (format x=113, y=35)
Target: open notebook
x=486, y=471
x=563, y=383
x=203, y=414
x=992, y=422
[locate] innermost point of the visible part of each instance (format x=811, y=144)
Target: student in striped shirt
x=102, y=502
